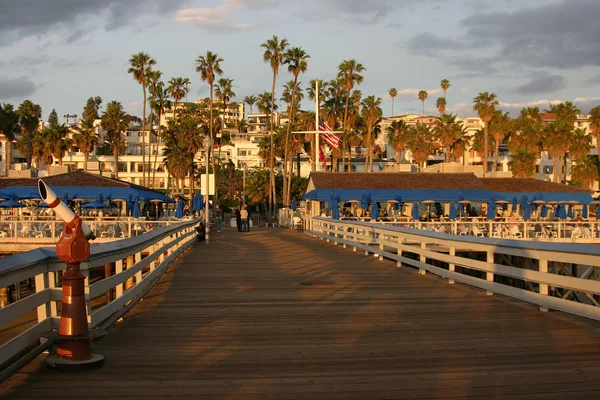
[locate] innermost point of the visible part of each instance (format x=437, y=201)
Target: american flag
x=322, y=156
x=328, y=136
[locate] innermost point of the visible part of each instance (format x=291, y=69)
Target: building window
x=548, y=169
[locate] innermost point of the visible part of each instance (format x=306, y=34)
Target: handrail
x=142, y=259
x=539, y=265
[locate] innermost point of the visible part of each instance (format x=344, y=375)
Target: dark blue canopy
x=92, y=193
x=406, y=196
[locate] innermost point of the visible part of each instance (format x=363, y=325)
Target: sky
x=58, y=53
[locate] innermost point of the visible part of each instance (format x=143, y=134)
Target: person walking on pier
x=238, y=219
x=219, y=217
x=244, y=217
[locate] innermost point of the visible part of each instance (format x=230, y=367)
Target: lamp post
x=207, y=145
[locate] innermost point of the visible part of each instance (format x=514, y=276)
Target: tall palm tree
x=393, y=94
x=86, y=138
x=423, y=96
x=159, y=101
x=250, y=100
x=523, y=164
x=350, y=74
x=224, y=92
x=29, y=120
x=371, y=113
x=595, y=125
x=9, y=127
x=114, y=122
x=186, y=83
x=584, y=173
x=447, y=131
x=500, y=125
x=209, y=66
x=274, y=55
x=296, y=60
x=419, y=140
x=395, y=137
x=139, y=66
x=177, y=90
x=485, y=105
x=556, y=141
x=445, y=85
x=440, y=104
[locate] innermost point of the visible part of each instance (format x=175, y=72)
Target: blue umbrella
x=415, y=211
x=29, y=196
x=4, y=196
x=95, y=204
x=364, y=201
x=200, y=203
x=43, y=204
x=561, y=212
x=331, y=204
x=100, y=198
x=130, y=203
x=136, y=209
x=11, y=204
x=398, y=198
x=179, y=211
x=335, y=212
x=598, y=212
x=195, y=202
x=461, y=207
x=452, y=214
x=491, y=210
x=526, y=214
x=544, y=211
x=65, y=198
x=294, y=206
x=375, y=211
x=514, y=203
x=585, y=212
x=570, y=211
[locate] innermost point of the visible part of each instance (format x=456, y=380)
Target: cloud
x=31, y=18
x=594, y=80
x=16, y=88
x=217, y=19
x=542, y=84
x=557, y=35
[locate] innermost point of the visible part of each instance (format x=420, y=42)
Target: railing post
x=129, y=281
x=41, y=284
x=423, y=259
x=490, y=275
x=118, y=270
x=380, y=251
x=543, y=286
x=451, y=267
x=400, y=242
x=138, y=275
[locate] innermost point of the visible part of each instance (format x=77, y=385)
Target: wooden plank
x=274, y=314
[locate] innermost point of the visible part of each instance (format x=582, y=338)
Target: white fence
x=134, y=275
x=560, y=276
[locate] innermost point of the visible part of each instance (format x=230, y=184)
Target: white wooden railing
x=134, y=276
x=560, y=276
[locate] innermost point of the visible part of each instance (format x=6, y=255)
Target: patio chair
x=477, y=231
x=514, y=232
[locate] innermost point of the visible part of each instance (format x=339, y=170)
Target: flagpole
x=317, y=159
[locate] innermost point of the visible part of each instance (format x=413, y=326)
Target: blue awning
x=580, y=197
x=382, y=195
x=92, y=193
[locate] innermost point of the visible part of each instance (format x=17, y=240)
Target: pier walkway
x=275, y=314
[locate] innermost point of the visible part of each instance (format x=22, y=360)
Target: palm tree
x=556, y=141
x=371, y=113
x=186, y=84
x=393, y=93
x=395, y=137
x=159, y=102
x=500, y=125
x=224, y=92
x=595, y=125
x=86, y=138
x=445, y=85
x=419, y=140
x=177, y=90
x=440, y=104
x=447, y=131
x=584, y=173
x=139, y=66
x=523, y=163
x=9, y=127
x=274, y=55
x=350, y=74
x=423, y=96
x=250, y=100
x=296, y=60
x=114, y=122
x=208, y=66
x=29, y=120
x=485, y=105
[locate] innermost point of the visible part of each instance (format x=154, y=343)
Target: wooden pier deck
x=275, y=314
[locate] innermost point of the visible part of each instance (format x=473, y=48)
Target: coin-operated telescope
x=74, y=337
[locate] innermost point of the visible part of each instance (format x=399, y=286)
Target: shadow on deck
x=275, y=314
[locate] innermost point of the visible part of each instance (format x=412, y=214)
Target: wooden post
x=3, y=297
x=543, y=286
x=107, y=274
x=41, y=283
x=380, y=251
x=129, y=282
x=490, y=275
x=423, y=259
x=138, y=275
x=400, y=242
x=451, y=267
x=118, y=270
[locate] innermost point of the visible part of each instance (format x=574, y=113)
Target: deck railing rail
x=559, y=276
x=137, y=262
